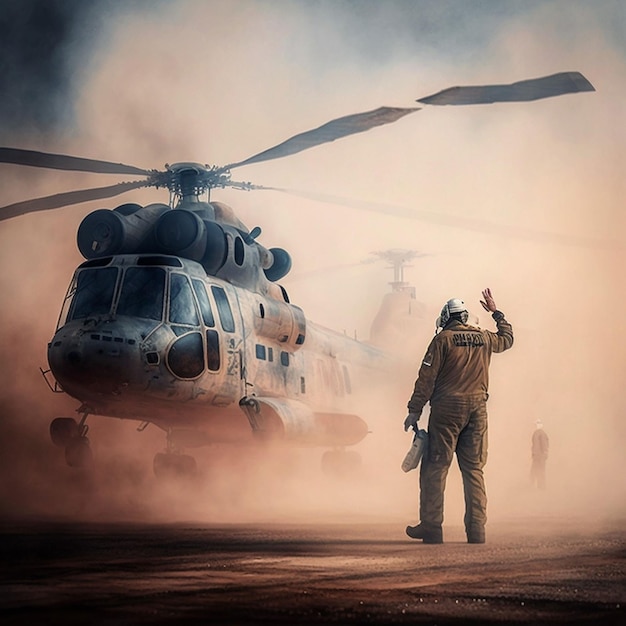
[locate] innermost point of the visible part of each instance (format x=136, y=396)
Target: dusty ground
x=57, y=573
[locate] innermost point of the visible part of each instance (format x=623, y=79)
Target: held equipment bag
x=416, y=451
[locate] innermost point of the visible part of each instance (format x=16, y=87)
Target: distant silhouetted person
x=540, y=445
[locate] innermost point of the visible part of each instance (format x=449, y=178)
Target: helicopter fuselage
x=154, y=338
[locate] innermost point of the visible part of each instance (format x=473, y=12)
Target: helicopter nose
x=74, y=358
x=94, y=362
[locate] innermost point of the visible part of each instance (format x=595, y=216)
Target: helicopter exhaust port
x=281, y=264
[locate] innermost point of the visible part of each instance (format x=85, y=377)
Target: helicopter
x=177, y=318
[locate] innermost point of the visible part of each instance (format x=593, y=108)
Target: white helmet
x=454, y=305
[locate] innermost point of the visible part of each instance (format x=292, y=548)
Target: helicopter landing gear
x=67, y=433
x=78, y=453
x=341, y=462
x=63, y=430
x=173, y=465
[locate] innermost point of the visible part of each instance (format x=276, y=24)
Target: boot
x=428, y=534
x=476, y=534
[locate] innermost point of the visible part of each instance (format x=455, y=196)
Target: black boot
x=428, y=534
x=476, y=534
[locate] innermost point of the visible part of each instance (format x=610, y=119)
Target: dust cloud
x=216, y=82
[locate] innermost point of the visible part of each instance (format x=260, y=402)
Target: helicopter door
x=232, y=335
x=214, y=351
x=224, y=336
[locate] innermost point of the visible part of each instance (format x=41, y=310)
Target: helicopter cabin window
x=336, y=384
x=94, y=292
x=213, y=350
x=284, y=358
x=270, y=354
x=329, y=377
x=260, y=352
x=322, y=373
x=143, y=292
x=223, y=309
x=346, y=378
x=203, y=301
x=182, y=306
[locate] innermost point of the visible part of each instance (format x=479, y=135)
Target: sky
x=524, y=198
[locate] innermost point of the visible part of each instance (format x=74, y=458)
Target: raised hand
x=489, y=303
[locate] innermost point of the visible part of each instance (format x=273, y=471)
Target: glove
x=411, y=421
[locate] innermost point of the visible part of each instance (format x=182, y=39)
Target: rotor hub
x=191, y=179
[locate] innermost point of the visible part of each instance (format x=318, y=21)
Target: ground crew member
x=539, y=450
x=454, y=378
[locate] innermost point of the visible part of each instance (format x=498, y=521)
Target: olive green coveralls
x=454, y=377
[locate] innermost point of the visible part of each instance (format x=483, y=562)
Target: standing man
x=539, y=449
x=454, y=378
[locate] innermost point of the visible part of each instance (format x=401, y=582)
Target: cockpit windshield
x=182, y=307
x=94, y=293
x=143, y=292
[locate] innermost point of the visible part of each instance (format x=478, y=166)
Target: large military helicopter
x=176, y=318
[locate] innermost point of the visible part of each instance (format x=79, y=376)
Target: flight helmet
x=454, y=305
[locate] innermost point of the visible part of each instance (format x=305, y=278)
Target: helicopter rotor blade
x=335, y=129
x=71, y=197
x=454, y=221
x=17, y=156
x=524, y=90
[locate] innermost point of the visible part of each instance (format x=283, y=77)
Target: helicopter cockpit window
x=182, y=306
x=203, y=300
x=142, y=293
x=94, y=293
x=223, y=308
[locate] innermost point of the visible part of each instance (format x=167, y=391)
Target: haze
x=216, y=82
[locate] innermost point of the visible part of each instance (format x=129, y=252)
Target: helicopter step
x=67, y=433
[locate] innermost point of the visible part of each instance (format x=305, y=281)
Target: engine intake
x=122, y=231
x=183, y=233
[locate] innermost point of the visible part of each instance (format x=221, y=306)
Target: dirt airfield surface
x=534, y=572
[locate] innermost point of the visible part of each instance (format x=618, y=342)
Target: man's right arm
x=503, y=339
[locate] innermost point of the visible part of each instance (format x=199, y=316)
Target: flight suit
x=454, y=378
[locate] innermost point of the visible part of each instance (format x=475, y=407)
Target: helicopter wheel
x=341, y=462
x=78, y=453
x=168, y=465
x=63, y=430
